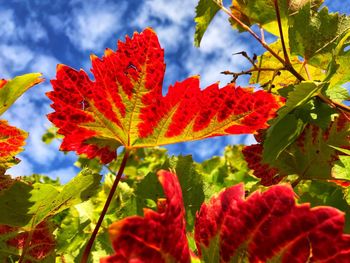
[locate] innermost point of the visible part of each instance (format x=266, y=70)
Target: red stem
x=88, y=247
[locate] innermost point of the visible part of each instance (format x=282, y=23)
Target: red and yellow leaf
x=311, y=156
x=11, y=141
x=124, y=105
x=158, y=236
x=31, y=246
x=269, y=226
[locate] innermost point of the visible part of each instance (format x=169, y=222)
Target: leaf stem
x=88, y=247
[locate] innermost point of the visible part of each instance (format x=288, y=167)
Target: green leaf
x=313, y=155
x=280, y=136
x=14, y=88
x=205, y=12
x=314, y=34
x=14, y=203
x=287, y=126
x=341, y=169
x=49, y=201
x=79, y=221
x=28, y=205
x=191, y=184
x=338, y=72
x=263, y=13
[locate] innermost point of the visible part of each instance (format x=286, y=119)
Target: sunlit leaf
x=205, y=12
x=11, y=141
x=24, y=204
x=263, y=12
x=276, y=80
x=11, y=90
x=158, y=236
x=125, y=105
x=311, y=156
x=287, y=127
x=314, y=34
x=269, y=227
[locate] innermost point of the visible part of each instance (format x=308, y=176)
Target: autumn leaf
x=269, y=227
x=158, y=236
x=125, y=105
x=32, y=246
x=311, y=156
x=11, y=142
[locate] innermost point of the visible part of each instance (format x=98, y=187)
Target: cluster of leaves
x=171, y=209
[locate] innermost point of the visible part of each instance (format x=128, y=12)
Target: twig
x=244, y=54
x=249, y=72
x=88, y=247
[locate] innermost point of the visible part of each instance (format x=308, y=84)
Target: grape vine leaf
x=79, y=220
x=205, y=12
x=287, y=127
x=341, y=169
x=35, y=203
x=231, y=228
x=338, y=72
x=311, y=156
x=263, y=13
x=11, y=90
x=276, y=80
x=31, y=246
x=315, y=34
x=11, y=141
x=158, y=236
x=125, y=105
x=269, y=226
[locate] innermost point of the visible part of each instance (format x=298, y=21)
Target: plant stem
x=88, y=247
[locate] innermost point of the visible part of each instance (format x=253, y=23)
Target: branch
x=88, y=247
x=249, y=72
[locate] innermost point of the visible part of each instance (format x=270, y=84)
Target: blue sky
x=36, y=35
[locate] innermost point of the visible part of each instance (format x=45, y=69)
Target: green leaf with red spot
x=124, y=105
x=11, y=90
x=311, y=156
x=32, y=246
x=269, y=227
x=158, y=236
x=11, y=141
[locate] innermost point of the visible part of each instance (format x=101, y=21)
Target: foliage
x=285, y=198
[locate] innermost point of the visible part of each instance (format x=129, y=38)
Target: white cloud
x=170, y=19
x=215, y=53
x=45, y=64
x=25, y=167
x=90, y=24
x=7, y=24
x=13, y=58
x=13, y=31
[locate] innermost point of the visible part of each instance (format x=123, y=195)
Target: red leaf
x=125, y=105
x=11, y=141
x=158, y=236
x=35, y=245
x=270, y=225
